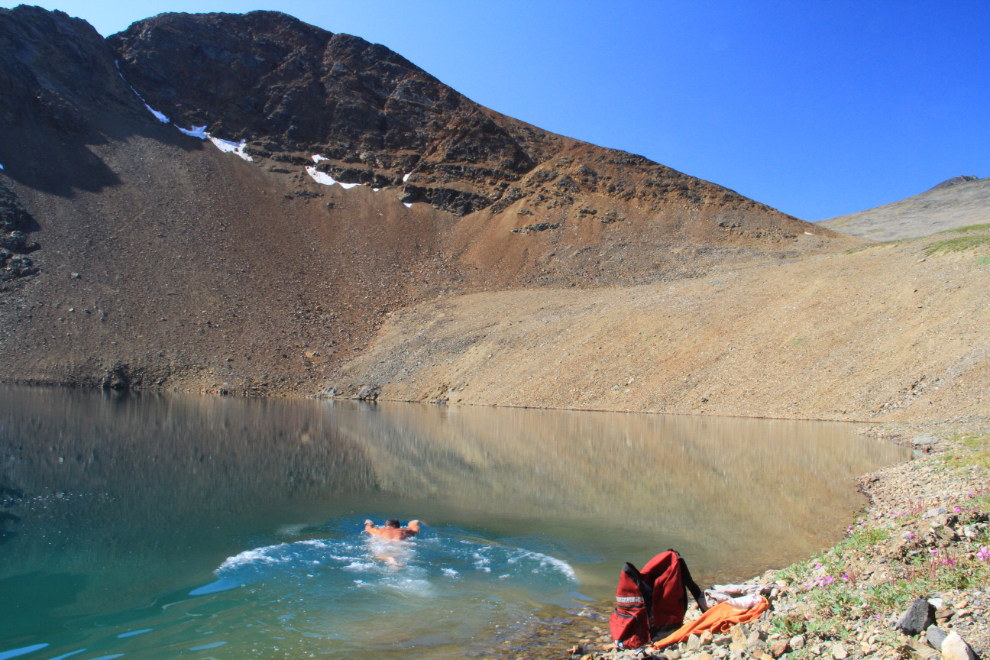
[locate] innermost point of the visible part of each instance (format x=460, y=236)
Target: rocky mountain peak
x=288, y=87
x=955, y=181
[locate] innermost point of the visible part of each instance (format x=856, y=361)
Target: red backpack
x=652, y=601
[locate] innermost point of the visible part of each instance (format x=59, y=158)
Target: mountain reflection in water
x=110, y=505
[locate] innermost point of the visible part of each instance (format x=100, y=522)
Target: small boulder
x=955, y=648
x=917, y=618
x=707, y=637
x=935, y=511
x=368, y=393
x=839, y=652
x=693, y=643
x=779, y=648
x=797, y=642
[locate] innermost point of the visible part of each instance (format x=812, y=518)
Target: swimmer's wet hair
x=392, y=522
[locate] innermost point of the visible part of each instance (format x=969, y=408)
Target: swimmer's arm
x=369, y=526
x=413, y=526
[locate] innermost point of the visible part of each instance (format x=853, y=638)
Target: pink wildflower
x=983, y=554
x=956, y=509
x=845, y=577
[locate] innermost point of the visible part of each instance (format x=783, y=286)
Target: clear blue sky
x=818, y=109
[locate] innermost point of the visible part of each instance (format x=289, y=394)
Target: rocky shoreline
x=913, y=570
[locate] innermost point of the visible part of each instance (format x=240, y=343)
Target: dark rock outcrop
x=15, y=225
x=57, y=69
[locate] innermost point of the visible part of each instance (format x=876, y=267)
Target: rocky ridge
x=375, y=117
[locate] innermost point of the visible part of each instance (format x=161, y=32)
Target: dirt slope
x=139, y=256
x=957, y=202
x=886, y=332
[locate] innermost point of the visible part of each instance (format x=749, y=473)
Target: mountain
x=956, y=202
x=236, y=203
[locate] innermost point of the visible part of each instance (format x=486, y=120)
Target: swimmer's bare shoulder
x=393, y=533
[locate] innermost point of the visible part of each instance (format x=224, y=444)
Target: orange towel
x=718, y=619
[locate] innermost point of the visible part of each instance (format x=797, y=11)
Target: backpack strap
x=645, y=589
x=691, y=585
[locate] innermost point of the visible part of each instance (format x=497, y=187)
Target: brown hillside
x=136, y=255
x=889, y=332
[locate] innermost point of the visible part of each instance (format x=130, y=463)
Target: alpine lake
x=147, y=526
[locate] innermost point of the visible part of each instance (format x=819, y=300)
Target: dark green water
x=149, y=526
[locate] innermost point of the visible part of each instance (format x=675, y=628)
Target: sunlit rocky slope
x=137, y=254
x=954, y=203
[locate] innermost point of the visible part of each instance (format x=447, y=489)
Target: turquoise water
x=148, y=526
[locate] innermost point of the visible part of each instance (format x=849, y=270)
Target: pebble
x=839, y=652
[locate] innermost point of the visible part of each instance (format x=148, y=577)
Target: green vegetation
x=841, y=595
x=859, y=248
x=967, y=228
x=974, y=450
x=956, y=244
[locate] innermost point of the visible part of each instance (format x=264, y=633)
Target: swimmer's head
x=392, y=522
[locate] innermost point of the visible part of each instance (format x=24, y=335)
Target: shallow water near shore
x=164, y=526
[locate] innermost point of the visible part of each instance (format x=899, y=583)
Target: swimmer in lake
x=392, y=529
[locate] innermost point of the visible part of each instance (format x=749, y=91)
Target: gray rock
x=839, y=652
x=955, y=648
x=924, y=441
x=935, y=511
x=368, y=393
x=935, y=636
x=797, y=642
x=694, y=643
x=917, y=618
